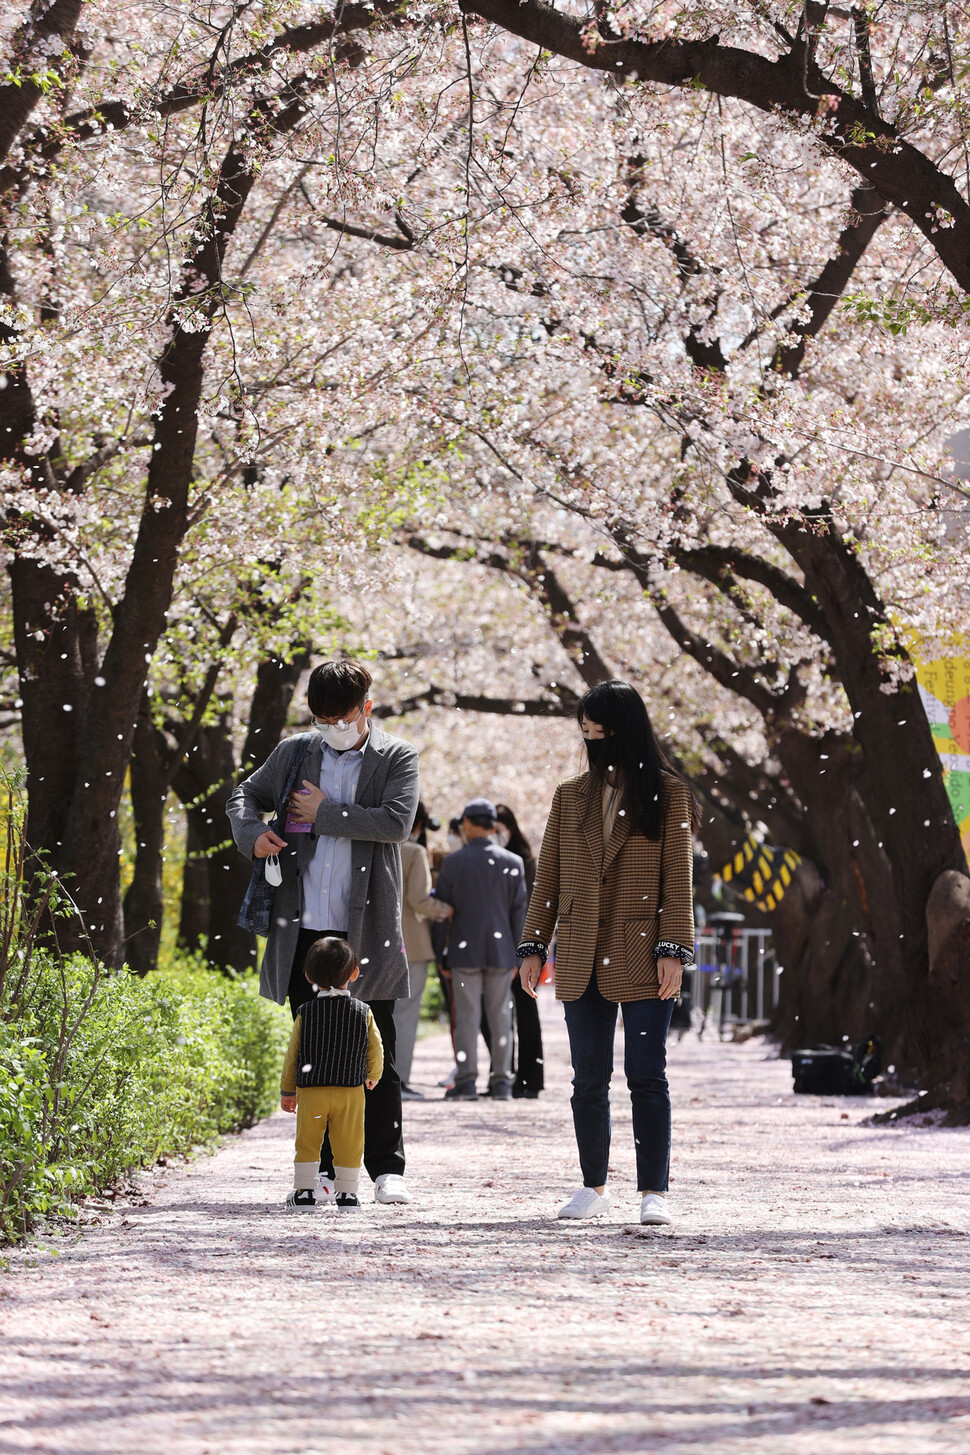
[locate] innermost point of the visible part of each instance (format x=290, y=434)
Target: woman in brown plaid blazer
x=615, y=878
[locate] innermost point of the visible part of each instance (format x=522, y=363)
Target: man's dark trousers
x=383, y=1138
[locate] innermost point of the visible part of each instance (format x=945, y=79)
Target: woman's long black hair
x=421, y=817
x=632, y=751
x=518, y=843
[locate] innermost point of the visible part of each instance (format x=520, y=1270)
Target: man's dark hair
x=481, y=820
x=337, y=689
x=329, y=963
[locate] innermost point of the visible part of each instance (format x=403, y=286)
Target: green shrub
x=149, y=1067
x=101, y=1073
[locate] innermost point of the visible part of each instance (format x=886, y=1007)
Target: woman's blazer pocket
x=640, y=935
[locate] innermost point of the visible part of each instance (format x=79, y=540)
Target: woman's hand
x=529, y=972
x=671, y=973
x=268, y=843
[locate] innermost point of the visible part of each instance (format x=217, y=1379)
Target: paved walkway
x=813, y=1299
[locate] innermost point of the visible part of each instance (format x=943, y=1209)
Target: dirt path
x=813, y=1299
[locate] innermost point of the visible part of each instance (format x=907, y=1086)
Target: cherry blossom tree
x=669, y=312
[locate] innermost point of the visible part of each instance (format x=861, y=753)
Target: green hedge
x=147, y=1067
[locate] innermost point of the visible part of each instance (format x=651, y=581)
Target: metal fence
x=735, y=978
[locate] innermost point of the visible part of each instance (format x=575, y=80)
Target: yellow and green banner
x=944, y=687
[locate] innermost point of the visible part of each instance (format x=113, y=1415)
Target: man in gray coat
x=349, y=791
x=486, y=886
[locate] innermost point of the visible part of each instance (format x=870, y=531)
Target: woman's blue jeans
x=591, y=1023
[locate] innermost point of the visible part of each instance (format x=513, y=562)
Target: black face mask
x=596, y=751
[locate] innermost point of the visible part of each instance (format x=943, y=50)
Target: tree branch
x=831, y=283
x=721, y=566
x=525, y=560
x=29, y=58
x=562, y=702
x=792, y=84
x=44, y=144
x=370, y=234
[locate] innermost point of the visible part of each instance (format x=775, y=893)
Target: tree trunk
x=901, y=779
x=90, y=711
x=204, y=780
x=825, y=934
x=194, y=911
x=144, y=900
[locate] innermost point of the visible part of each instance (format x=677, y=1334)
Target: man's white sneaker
x=654, y=1210
x=586, y=1203
x=390, y=1187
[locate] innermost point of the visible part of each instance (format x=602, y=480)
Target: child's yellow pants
x=339, y=1110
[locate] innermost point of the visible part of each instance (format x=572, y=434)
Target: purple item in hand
x=293, y=826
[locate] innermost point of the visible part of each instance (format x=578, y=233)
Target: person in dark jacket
x=485, y=884
x=528, y=1032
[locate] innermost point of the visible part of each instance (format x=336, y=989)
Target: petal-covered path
x=812, y=1300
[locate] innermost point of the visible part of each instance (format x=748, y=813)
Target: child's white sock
x=346, y=1179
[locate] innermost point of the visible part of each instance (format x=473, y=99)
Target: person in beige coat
x=419, y=908
x=615, y=877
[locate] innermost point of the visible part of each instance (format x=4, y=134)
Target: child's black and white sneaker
x=302, y=1198
x=347, y=1202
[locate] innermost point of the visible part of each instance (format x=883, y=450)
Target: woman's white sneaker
x=586, y=1203
x=654, y=1211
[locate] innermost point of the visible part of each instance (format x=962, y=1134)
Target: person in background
x=528, y=1058
x=419, y=906
x=455, y=840
x=486, y=886
x=440, y=934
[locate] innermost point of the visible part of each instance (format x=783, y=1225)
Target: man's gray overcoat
x=377, y=822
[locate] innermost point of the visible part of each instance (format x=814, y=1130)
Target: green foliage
x=433, y=1007
x=153, y=1066
x=103, y=1073
x=897, y=315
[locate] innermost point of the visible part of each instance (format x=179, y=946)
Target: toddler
x=334, y=1052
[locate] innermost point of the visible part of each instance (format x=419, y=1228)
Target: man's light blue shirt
x=326, y=879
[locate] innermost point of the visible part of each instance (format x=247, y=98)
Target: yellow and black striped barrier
x=761, y=874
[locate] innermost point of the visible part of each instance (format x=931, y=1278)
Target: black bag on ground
x=837, y=1070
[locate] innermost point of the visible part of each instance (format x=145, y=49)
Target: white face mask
x=502, y=837
x=340, y=735
x=455, y=843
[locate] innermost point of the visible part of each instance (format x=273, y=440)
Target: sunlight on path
x=812, y=1300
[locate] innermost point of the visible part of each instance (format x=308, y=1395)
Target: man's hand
x=370, y=1085
x=671, y=973
x=529, y=972
x=268, y=843
x=288, y=1100
x=303, y=806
